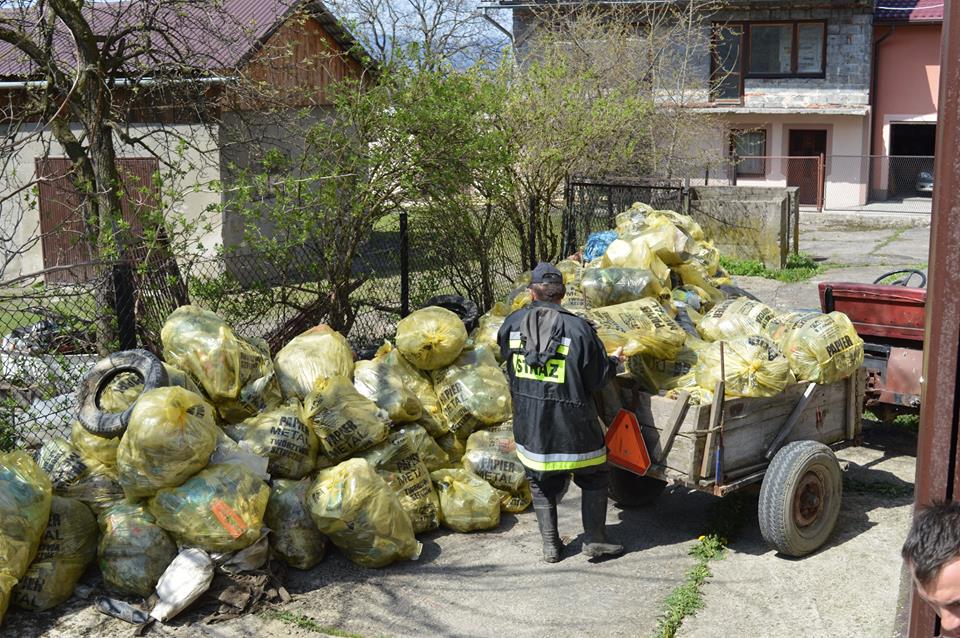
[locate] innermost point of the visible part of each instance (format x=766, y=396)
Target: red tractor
x=889, y=317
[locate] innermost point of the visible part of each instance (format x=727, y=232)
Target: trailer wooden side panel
x=749, y=427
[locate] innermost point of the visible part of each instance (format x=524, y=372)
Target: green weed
x=878, y=488
x=798, y=268
x=306, y=622
x=686, y=599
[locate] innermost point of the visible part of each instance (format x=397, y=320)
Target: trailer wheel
x=800, y=498
x=631, y=490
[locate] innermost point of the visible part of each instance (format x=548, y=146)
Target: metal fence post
x=821, y=187
x=404, y=266
x=566, y=231
x=532, y=239
x=124, y=306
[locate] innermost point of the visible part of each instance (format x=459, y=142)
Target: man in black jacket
x=555, y=363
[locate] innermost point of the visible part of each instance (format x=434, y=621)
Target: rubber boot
x=593, y=510
x=547, y=520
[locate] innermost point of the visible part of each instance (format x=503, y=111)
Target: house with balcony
x=793, y=88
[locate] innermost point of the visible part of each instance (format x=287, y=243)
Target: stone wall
x=848, y=60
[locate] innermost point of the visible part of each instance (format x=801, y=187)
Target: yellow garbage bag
x=640, y=327
x=631, y=251
x=515, y=503
x=668, y=242
x=60, y=461
x=467, y=502
x=235, y=374
x=218, y=510
x=687, y=224
x=294, y=536
x=780, y=327
x=378, y=381
x=25, y=498
x=431, y=337
x=134, y=551
x=281, y=436
x=735, y=318
x=453, y=446
x=655, y=374
x=694, y=274
x=126, y=387
x=823, y=348
x=611, y=286
x=754, y=367
x=634, y=219
x=473, y=392
x=419, y=383
x=430, y=452
x=344, y=420
x=486, y=333
x=397, y=462
x=97, y=491
x=68, y=545
x=310, y=358
x=708, y=256
x=519, y=297
x=170, y=438
x=492, y=455
x=99, y=454
x=362, y=515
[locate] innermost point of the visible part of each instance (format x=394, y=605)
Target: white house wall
x=190, y=147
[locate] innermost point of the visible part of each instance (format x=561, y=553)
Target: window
x=726, y=78
x=787, y=49
x=747, y=148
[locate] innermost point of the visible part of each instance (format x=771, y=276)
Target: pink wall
x=908, y=75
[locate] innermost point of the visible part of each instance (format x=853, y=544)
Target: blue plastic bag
x=597, y=244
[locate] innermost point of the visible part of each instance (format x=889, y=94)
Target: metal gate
x=593, y=205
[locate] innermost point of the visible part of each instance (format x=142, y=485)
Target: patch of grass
x=799, y=268
x=878, y=488
x=686, y=599
x=894, y=236
x=306, y=622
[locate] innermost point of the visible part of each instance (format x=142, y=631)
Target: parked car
x=924, y=184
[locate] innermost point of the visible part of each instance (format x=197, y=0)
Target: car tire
x=110, y=425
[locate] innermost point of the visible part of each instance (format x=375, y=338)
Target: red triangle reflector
x=625, y=445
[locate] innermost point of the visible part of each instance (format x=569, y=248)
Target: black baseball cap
x=546, y=273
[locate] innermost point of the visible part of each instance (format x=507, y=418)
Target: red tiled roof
x=909, y=10
x=195, y=34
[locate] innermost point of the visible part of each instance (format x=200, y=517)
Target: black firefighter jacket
x=554, y=417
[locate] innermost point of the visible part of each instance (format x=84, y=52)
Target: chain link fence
x=54, y=325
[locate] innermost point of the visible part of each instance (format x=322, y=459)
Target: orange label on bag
x=228, y=518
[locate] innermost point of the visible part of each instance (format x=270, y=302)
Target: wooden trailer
x=781, y=442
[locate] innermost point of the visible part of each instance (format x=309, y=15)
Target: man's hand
x=618, y=354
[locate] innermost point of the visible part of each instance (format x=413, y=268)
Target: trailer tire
x=631, y=490
x=113, y=424
x=800, y=498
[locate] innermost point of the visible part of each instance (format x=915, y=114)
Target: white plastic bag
x=185, y=579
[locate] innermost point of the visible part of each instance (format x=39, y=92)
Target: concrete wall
x=748, y=222
x=197, y=164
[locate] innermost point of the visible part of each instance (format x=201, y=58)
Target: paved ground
x=491, y=584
